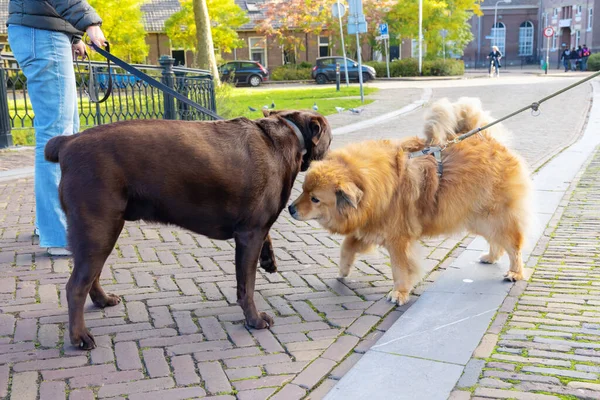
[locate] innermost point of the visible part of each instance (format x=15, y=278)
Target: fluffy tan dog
x=372, y=193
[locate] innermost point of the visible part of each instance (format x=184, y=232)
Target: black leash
x=151, y=81
x=535, y=106
x=91, y=80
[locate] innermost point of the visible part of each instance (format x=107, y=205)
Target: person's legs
x=46, y=60
x=584, y=64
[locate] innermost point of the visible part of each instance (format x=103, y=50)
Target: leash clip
x=535, y=109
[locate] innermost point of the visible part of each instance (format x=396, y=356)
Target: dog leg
x=267, y=256
x=91, y=242
x=405, y=270
x=513, y=248
x=350, y=247
x=248, y=246
x=493, y=255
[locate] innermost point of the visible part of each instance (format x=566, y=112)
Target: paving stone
x=184, y=370
x=363, y=325
x=265, y=381
x=510, y=394
x=243, y=373
x=215, y=380
x=290, y=392
x=146, y=385
x=174, y=394
x=561, y=372
x=127, y=356
x=471, y=373
x=342, y=346
x=22, y=387
x=314, y=373
x=155, y=362
x=345, y=366
x=52, y=390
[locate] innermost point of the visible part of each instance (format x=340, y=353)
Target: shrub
x=290, y=72
x=593, y=63
x=410, y=67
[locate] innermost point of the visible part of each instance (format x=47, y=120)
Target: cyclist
x=495, y=56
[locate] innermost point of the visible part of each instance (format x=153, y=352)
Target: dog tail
x=440, y=122
x=446, y=120
x=52, y=149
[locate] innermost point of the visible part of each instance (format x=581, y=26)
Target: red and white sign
x=549, y=31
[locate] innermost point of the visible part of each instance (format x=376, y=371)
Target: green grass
x=235, y=101
x=231, y=102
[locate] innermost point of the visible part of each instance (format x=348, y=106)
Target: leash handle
x=153, y=82
x=91, y=80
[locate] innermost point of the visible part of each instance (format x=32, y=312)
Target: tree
x=315, y=17
x=225, y=17
x=122, y=24
x=205, y=53
x=451, y=15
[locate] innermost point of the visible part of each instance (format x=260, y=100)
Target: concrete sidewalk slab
x=449, y=320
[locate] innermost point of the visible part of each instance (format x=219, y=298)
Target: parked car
x=324, y=70
x=245, y=72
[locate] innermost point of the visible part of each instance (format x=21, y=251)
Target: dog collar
x=298, y=134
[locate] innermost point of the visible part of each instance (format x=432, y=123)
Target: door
x=246, y=69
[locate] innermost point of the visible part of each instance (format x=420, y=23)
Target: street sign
x=383, y=29
x=443, y=33
x=334, y=10
x=355, y=26
x=549, y=31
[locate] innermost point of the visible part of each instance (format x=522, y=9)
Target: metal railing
x=131, y=97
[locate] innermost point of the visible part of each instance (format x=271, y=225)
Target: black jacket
x=72, y=17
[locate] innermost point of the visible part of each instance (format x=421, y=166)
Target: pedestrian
x=573, y=58
x=584, y=57
x=44, y=37
x=565, y=57
x=579, y=57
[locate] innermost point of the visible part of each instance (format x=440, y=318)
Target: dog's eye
x=314, y=200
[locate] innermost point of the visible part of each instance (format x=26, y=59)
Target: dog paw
x=487, y=259
x=108, y=301
x=262, y=321
x=268, y=265
x=513, y=276
x=398, y=297
x=83, y=339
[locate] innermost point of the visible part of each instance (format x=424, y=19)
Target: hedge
x=593, y=63
x=410, y=67
x=290, y=72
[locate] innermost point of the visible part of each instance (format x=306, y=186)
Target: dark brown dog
x=222, y=179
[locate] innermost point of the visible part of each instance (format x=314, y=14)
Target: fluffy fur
x=372, y=193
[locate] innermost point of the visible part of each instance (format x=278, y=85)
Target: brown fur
x=372, y=193
x=222, y=179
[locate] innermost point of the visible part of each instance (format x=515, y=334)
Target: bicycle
x=494, y=70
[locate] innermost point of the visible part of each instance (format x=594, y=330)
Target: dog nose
x=292, y=210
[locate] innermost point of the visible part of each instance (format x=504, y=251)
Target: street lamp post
x=420, y=37
x=495, y=35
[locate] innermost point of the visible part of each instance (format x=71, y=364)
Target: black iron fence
x=131, y=97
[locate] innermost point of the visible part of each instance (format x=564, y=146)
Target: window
x=578, y=10
x=499, y=36
x=179, y=56
x=556, y=12
x=526, y=39
x=324, y=46
x=258, y=50
x=252, y=7
x=577, y=38
x=590, y=19
x=289, y=54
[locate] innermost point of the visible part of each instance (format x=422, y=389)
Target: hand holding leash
x=96, y=35
x=79, y=50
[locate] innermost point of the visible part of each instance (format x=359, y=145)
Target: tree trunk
x=205, y=54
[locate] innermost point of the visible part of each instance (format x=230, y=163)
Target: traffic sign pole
x=341, y=11
x=385, y=35
x=548, y=32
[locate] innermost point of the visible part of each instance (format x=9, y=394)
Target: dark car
x=324, y=70
x=245, y=72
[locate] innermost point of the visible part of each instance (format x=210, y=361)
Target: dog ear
x=316, y=129
x=348, y=195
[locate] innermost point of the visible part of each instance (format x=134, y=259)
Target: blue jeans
x=47, y=61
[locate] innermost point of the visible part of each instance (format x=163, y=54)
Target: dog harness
x=298, y=134
x=437, y=153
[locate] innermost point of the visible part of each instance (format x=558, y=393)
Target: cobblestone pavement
x=545, y=338
x=178, y=333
